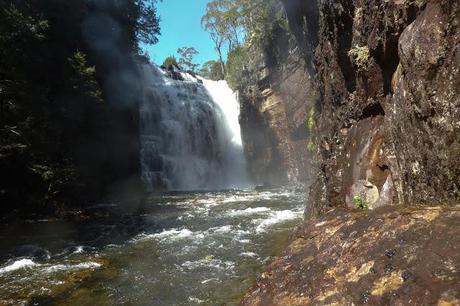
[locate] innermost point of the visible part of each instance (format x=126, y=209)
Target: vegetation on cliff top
x=246, y=29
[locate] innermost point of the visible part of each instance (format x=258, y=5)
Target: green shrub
x=360, y=56
x=237, y=68
x=360, y=203
x=212, y=70
x=170, y=61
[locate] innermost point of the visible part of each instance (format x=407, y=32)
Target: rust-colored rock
x=273, y=124
x=397, y=256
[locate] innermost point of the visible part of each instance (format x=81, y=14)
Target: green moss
x=311, y=124
x=311, y=146
x=360, y=203
x=360, y=56
x=311, y=120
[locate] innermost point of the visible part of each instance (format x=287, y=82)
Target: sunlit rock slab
x=389, y=256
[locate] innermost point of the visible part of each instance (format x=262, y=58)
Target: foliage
x=84, y=79
x=311, y=125
x=147, y=25
x=311, y=146
x=360, y=56
x=237, y=67
x=223, y=21
x=311, y=120
x=186, y=55
x=55, y=124
x=212, y=70
x=170, y=61
x=360, y=203
x=246, y=29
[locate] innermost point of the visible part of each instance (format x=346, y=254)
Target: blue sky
x=181, y=27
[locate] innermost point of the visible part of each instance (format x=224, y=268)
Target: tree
x=147, y=22
x=237, y=68
x=251, y=21
x=170, y=61
x=224, y=24
x=186, y=55
x=212, y=70
x=57, y=130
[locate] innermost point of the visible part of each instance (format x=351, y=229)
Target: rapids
x=182, y=248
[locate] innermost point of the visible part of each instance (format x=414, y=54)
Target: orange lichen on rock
x=391, y=255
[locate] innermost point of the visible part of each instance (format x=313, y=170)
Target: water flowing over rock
x=190, y=136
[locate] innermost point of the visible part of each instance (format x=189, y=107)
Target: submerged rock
x=398, y=256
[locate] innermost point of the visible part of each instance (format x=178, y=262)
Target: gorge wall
x=388, y=73
x=274, y=116
x=386, y=116
x=386, y=135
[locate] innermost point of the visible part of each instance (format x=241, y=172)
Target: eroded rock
x=388, y=74
x=397, y=256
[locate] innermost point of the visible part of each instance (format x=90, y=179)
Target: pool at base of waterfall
x=183, y=248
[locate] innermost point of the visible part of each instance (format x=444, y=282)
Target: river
x=182, y=248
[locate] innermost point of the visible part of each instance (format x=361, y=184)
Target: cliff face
x=388, y=74
x=273, y=123
x=386, y=133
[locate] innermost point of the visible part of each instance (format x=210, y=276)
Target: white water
x=190, y=134
x=19, y=264
x=186, y=248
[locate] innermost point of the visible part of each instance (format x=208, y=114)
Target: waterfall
x=190, y=135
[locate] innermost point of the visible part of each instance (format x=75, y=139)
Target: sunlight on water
x=227, y=100
x=190, y=134
x=183, y=249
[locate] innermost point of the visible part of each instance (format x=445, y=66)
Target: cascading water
x=190, y=135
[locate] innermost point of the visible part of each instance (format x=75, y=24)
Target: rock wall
x=386, y=133
x=388, y=113
x=273, y=119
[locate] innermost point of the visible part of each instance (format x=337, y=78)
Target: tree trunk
x=222, y=65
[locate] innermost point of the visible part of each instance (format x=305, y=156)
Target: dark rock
x=388, y=73
x=390, y=253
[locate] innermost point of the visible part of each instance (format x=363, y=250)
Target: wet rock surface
x=397, y=256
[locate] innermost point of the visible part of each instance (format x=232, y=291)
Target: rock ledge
x=397, y=256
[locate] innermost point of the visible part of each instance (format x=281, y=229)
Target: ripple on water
x=248, y=211
x=209, y=262
x=170, y=235
x=71, y=267
x=276, y=218
x=210, y=249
